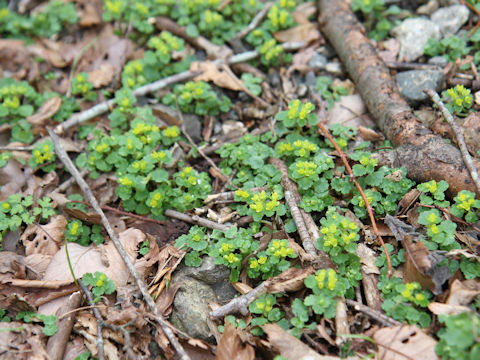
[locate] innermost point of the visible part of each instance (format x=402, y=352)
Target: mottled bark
x=425, y=155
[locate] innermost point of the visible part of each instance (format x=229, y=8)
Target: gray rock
x=438, y=60
x=411, y=83
x=318, y=62
x=450, y=19
x=193, y=127
x=310, y=79
x=334, y=68
x=413, y=34
x=198, y=287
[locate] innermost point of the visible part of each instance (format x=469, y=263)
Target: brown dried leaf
x=231, y=346
x=102, y=76
x=447, y=309
x=367, y=259
x=289, y=346
x=165, y=300
x=303, y=12
x=220, y=76
x=289, y=280
x=370, y=134
x=407, y=200
x=45, y=112
x=242, y=288
x=407, y=340
x=12, y=266
x=27, y=343
x=89, y=15
x=463, y=293
x=304, y=32
x=44, y=239
x=89, y=218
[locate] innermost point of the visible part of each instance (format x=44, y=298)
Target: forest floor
x=239, y=179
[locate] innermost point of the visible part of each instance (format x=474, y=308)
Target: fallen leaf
x=304, y=32
x=367, y=259
x=45, y=112
x=44, y=239
x=12, y=266
x=303, y=12
x=20, y=341
x=102, y=76
x=463, y=293
x=290, y=280
x=370, y=134
x=231, y=346
x=447, y=309
x=290, y=347
x=410, y=341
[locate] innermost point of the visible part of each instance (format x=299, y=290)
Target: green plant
x=196, y=239
x=49, y=321
x=3, y=316
x=298, y=115
x=55, y=17
x=265, y=307
x=83, y=234
x=452, y=47
x=252, y=83
x=84, y=356
x=441, y=232
x=433, y=193
x=458, y=100
x=260, y=204
x=465, y=206
x=459, y=338
x=197, y=97
x=404, y=302
x=43, y=155
x=101, y=284
x=18, y=210
x=272, y=261
x=326, y=286
x=82, y=87
x=376, y=16
x=331, y=94
x=237, y=323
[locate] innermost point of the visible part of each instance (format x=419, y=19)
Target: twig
x=453, y=217
x=374, y=314
x=255, y=21
x=16, y=148
x=63, y=156
x=240, y=304
x=67, y=183
x=194, y=219
x=290, y=190
x=229, y=195
x=364, y=197
x=458, y=135
x=103, y=107
x=97, y=315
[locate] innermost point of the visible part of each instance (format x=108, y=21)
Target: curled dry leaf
x=367, y=259
x=45, y=112
x=231, y=346
x=447, y=309
x=102, y=76
x=303, y=12
x=370, y=134
x=12, y=179
x=463, y=292
x=410, y=341
x=12, y=266
x=22, y=344
x=290, y=280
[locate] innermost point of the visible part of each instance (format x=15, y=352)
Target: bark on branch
x=425, y=155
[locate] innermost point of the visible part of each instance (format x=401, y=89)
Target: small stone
x=310, y=79
x=318, y=62
x=450, y=19
x=193, y=127
x=413, y=35
x=439, y=61
x=412, y=83
x=302, y=90
x=334, y=68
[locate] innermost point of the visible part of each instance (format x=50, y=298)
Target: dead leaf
x=447, y=309
x=406, y=201
x=242, y=288
x=22, y=341
x=303, y=12
x=370, y=134
x=89, y=15
x=45, y=112
x=290, y=347
x=290, y=280
x=304, y=32
x=350, y=110
x=367, y=259
x=463, y=293
x=12, y=266
x=103, y=76
x=44, y=239
x=231, y=346
x=407, y=340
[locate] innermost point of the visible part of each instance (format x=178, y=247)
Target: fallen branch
x=197, y=220
x=458, y=135
x=255, y=21
x=240, y=304
x=103, y=107
x=374, y=314
x=63, y=156
x=229, y=195
x=426, y=156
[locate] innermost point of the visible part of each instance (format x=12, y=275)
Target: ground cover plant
x=199, y=178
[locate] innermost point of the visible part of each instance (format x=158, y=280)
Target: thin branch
x=103, y=107
x=229, y=195
x=240, y=304
x=364, y=197
x=197, y=220
x=374, y=314
x=291, y=196
x=255, y=21
x=63, y=156
x=467, y=159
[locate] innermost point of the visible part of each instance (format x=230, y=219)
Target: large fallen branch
x=426, y=156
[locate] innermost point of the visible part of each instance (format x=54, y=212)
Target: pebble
x=411, y=83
